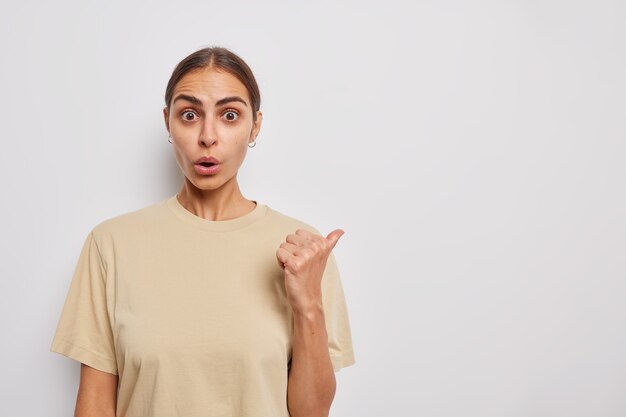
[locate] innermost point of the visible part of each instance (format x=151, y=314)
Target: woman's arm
x=97, y=393
x=311, y=384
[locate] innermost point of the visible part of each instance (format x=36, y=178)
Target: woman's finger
x=307, y=235
x=297, y=240
x=283, y=256
x=333, y=237
x=293, y=249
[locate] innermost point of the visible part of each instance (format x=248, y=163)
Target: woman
x=207, y=303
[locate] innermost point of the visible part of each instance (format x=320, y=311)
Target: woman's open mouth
x=207, y=165
x=206, y=168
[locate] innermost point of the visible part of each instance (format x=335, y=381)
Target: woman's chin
x=207, y=183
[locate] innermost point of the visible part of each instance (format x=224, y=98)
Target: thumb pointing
x=334, y=237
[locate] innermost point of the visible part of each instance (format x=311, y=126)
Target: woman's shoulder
x=131, y=220
x=289, y=222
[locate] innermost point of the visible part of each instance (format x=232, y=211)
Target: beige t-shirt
x=192, y=313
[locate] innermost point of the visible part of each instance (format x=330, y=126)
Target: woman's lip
x=202, y=170
x=207, y=159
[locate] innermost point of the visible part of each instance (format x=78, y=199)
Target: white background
x=474, y=153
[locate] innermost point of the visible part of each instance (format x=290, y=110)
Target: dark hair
x=220, y=58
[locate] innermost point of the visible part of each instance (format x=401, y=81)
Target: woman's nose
x=208, y=135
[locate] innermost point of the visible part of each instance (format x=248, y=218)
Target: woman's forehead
x=209, y=79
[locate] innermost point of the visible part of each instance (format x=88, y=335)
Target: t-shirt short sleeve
x=336, y=316
x=84, y=329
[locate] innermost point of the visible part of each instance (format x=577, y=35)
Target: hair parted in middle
x=221, y=59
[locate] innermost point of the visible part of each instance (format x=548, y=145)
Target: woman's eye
x=189, y=116
x=231, y=116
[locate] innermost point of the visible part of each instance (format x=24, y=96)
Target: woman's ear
x=256, y=127
x=167, y=119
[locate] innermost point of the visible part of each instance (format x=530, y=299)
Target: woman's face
x=211, y=116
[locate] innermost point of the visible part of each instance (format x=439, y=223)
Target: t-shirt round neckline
x=217, y=225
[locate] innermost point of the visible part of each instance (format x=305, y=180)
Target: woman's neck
x=225, y=203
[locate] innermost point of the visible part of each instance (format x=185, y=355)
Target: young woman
x=207, y=303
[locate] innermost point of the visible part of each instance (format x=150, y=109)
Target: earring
x=253, y=144
x=169, y=139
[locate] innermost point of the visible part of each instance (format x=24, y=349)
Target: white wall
x=472, y=151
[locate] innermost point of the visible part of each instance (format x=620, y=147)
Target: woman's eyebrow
x=198, y=102
x=231, y=99
x=191, y=99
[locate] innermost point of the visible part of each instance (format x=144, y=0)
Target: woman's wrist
x=309, y=311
